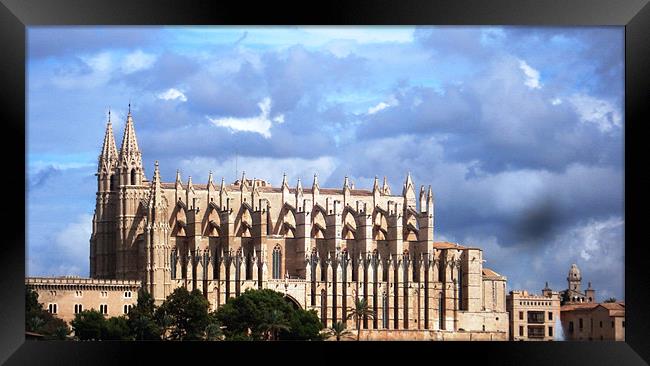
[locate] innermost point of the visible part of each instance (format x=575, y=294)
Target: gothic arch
x=379, y=224
x=179, y=220
x=245, y=220
x=319, y=224
x=287, y=223
x=213, y=227
x=349, y=224
x=411, y=230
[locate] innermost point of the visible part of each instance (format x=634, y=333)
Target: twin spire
x=129, y=149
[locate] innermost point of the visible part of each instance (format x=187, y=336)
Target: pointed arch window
x=441, y=315
x=112, y=181
x=277, y=257
x=133, y=176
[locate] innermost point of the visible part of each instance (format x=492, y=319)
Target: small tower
x=590, y=294
x=574, y=278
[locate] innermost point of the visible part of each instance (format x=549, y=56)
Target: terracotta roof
x=447, y=245
x=614, y=309
x=490, y=273
x=572, y=307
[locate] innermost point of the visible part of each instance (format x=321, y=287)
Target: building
x=67, y=296
x=594, y=322
x=321, y=247
x=584, y=319
x=533, y=317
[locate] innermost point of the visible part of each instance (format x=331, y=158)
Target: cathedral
x=320, y=247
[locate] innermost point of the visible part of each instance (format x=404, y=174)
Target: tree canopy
x=266, y=314
x=39, y=320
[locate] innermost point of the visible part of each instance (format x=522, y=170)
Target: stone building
x=583, y=318
x=533, y=317
x=321, y=247
x=594, y=322
x=67, y=296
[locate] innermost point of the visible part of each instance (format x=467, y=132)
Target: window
x=536, y=317
x=127, y=294
x=460, y=288
x=78, y=308
x=612, y=324
x=521, y=315
x=103, y=308
x=78, y=293
x=127, y=309
x=535, y=331
x=103, y=294
x=52, y=308
x=570, y=327
x=521, y=330
x=601, y=323
x=550, y=331
x=580, y=323
x=623, y=323
x=53, y=293
x=277, y=255
x=132, y=177
x=550, y=315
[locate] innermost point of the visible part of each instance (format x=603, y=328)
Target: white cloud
x=598, y=111
x=383, y=105
x=260, y=124
x=532, y=75
x=74, y=240
x=269, y=169
x=556, y=101
x=172, y=94
x=137, y=61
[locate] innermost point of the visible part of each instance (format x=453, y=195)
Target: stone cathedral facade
x=321, y=247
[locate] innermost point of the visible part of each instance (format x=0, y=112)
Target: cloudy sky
x=519, y=130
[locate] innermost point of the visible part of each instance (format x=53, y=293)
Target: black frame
x=16, y=15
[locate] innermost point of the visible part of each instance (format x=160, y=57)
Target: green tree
x=305, y=325
x=359, y=311
x=141, y=319
x=39, y=320
x=116, y=329
x=611, y=299
x=275, y=321
x=188, y=311
x=338, y=330
x=213, y=331
x=244, y=315
x=89, y=325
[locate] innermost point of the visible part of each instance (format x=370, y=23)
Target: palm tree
x=360, y=310
x=275, y=323
x=338, y=330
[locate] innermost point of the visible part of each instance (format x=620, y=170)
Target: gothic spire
x=315, y=184
x=346, y=183
x=210, y=183
x=375, y=184
x=385, y=188
x=284, y=180
x=156, y=187
x=298, y=187
x=109, y=150
x=129, y=141
x=178, y=178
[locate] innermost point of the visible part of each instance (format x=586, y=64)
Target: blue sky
x=519, y=130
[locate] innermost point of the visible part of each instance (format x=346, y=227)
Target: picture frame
x=16, y=16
